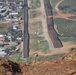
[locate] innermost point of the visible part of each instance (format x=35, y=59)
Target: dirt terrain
x=60, y=14
x=63, y=66
x=66, y=45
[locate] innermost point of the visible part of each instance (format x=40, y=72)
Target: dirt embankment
x=64, y=66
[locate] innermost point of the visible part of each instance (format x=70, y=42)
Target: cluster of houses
x=9, y=11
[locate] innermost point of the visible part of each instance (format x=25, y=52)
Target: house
x=3, y=11
x=2, y=37
x=2, y=49
x=13, y=16
x=2, y=53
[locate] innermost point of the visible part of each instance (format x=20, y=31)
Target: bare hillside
x=64, y=66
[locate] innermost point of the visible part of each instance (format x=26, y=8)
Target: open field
x=54, y=2
x=37, y=40
x=66, y=28
x=16, y=57
x=45, y=58
x=73, y=17
x=35, y=4
x=36, y=28
x=34, y=14
x=68, y=6
x=39, y=43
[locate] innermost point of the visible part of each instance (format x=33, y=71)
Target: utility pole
x=26, y=34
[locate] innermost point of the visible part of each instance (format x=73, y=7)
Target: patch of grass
x=37, y=37
x=54, y=57
x=68, y=6
x=30, y=59
x=73, y=17
x=16, y=57
x=73, y=48
x=34, y=14
x=3, y=27
x=37, y=28
x=73, y=39
x=54, y=2
x=35, y=4
x=43, y=46
x=67, y=29
x=39, y=43
x=46, y=58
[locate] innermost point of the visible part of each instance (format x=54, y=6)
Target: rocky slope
x=64, y=66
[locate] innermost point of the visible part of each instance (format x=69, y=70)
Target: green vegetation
x=54, y=2
x=35, y=4
x=3, y=27
x=39, y=43
x=54, y=57
x=37, y=28
x=45, y=58
x=68, y=39
x=37, y=38
x=51, y=57
x=68, y=6
x=67, y=29
x=73, y=48
x=34, y=14
x=73, y=17
x=16, y=57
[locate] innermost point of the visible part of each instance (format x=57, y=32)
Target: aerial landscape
x=37, y=37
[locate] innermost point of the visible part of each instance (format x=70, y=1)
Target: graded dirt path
x=57, y=50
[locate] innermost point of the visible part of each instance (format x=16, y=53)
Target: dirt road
x=44, y=24
x=57, y=5
x=62, y=15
